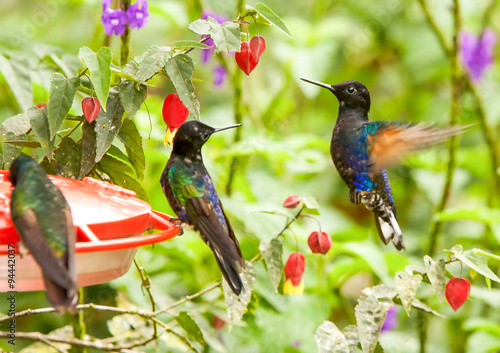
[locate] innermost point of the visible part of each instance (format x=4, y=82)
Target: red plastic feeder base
x=110, y=224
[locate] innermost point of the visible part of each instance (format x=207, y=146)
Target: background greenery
x=283, y=149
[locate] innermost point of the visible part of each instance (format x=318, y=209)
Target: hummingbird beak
x=226, y=127
x=169, y=137
x=321, y=84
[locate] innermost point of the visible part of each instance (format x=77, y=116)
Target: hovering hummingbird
x=192, y=196
x=43, y=220
x=361, y=150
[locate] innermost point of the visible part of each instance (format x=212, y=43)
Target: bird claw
x=177, y=222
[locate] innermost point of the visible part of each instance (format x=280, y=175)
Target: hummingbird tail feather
x=389, y=230
x=230, y=272
x=62, y=299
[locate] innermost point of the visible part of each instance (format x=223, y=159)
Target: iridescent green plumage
x=43, y=221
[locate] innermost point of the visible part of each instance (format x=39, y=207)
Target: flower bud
x=90, y=107
x=294, y=269
x=292, y=201
x=457, y=291
x=319, y=243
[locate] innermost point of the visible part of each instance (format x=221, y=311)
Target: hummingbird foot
x=177, y=222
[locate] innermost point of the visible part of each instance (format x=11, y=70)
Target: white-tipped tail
x=390, y=230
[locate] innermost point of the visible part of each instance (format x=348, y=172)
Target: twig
x=146, y=284
x=182, y=338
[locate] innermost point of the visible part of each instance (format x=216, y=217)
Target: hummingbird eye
x=205, y=135
x=350, y=89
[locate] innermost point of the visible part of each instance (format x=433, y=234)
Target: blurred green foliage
x=283, y=149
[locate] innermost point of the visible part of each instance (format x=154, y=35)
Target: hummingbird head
x=351, y=94
x=192, y=135
x=17, y=167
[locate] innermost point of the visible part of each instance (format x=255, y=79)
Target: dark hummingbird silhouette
x=192, y=196
x=361, y=151
x=43, y=220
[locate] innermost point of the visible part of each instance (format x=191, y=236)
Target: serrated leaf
x=108, y=125
x=132, y=140
x=407, y=286
x=132, y=96
x=199, y=27
x=311, y=205
x=380, y=291
x=16, y=72
x=129, y=72
x=272, y=18
x=67, y=158
x=12, y=151
x=187, y=44
x=191, y=327
x=100, y=71
x=152, y=61
x=23, y=143
x=437, y=275
x=370, y=315
x=236, y=306
x=17, y=124
x=273, y=256
x=40, y=125
x=62, y=93
x=226, y=36
x=329, y=339
x=88, y=144
x=477, y=262
x=180, y=68
x=121, y=174
x=351, y=334
x=421, y=306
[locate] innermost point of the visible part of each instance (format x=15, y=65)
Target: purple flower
x=106, y=4
x=219, y=76
x=138, y=14
x=114, y=21
x=477, y=52
x=391, y=320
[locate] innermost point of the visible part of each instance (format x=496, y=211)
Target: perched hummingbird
x=361, y=150
x=42, y=218
x=192, y=196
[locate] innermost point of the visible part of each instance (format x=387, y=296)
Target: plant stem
x=79, y=328
x=125, y=37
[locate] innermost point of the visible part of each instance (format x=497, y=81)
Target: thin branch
x=435, y=28
x=182, y=338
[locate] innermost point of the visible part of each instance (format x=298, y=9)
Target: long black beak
x=321, y=84
x=226, y=127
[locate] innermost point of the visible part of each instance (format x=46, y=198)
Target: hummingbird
x=191, y=194
x=42, y=218
x=362, y=150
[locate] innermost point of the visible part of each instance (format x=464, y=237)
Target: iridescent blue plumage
x=361, y=150
x=192, y=196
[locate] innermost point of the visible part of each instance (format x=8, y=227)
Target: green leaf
x=311, y=205
x=273, y=256
x=329, y=339
x=40, y=125
x=23, y=143
x=132, y=140
x=481, y=214
x=236, y=306
x=17, y=124
x=421, y=306
x=486, y=254
x=437, y=275
x=199, y=27
x=180, y=68
x=370, y=315
x=67, y=158
x=129, y=72
x=12, y=151
x=407, y=286
x=100, y=71
x=272, y=18
x=226, y=36
x=188, y=44
x=62, y=93
x=108, y=125
x=152, y=61
x=191, y=327
x=132, y=96
x=121, y=174
x=476, y=262
x=88, y=144
x=16, y=72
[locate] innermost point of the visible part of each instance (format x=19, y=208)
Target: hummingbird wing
x=195, y=191
x=390, y=141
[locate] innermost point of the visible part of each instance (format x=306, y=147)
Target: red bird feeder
x=110, y=224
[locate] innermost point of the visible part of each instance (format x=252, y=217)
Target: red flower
x=249, y=54
x=319, y=243
x=90, y=107
x=294, y=269
x=174, y=114
x=292, y=201
x=457, y=291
